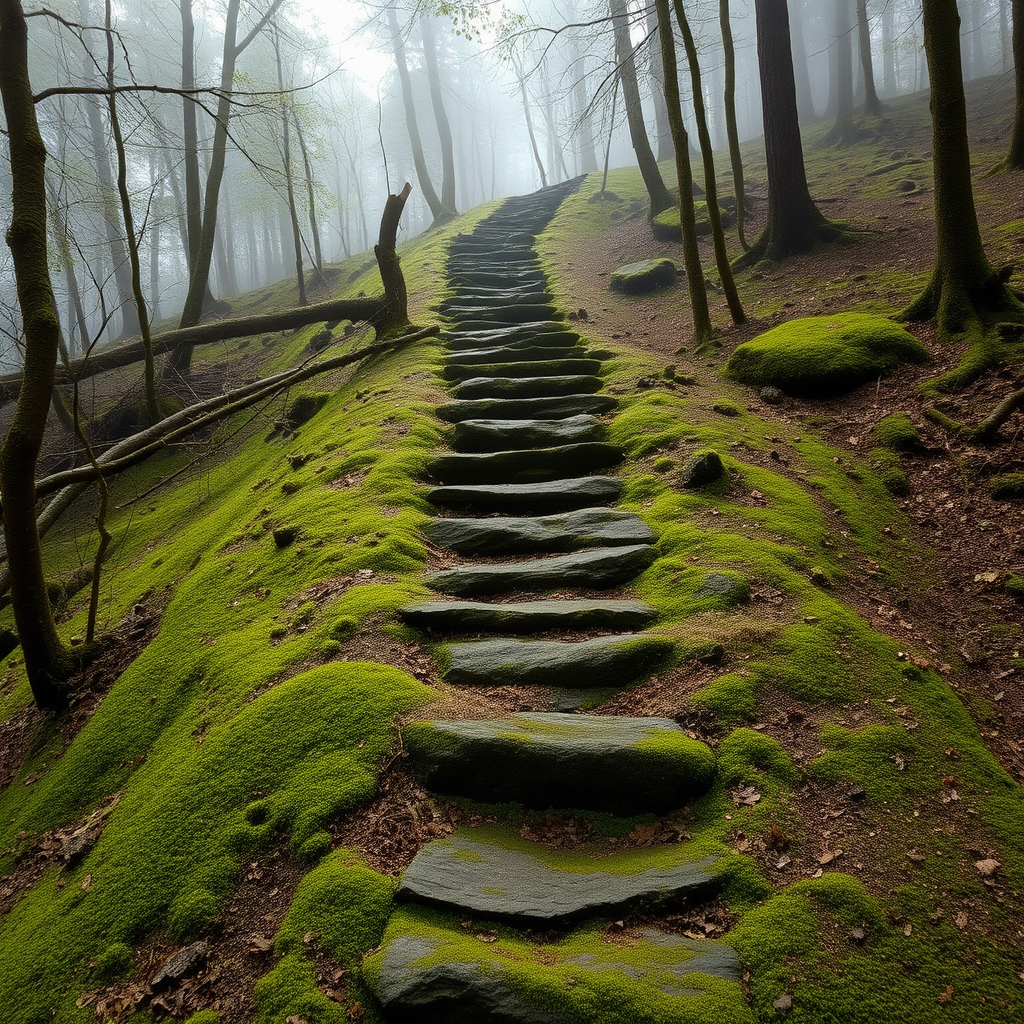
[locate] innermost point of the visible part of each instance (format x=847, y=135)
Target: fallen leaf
x=916, y=857
x=784, y=1003
x=908, y=928
x=782, y=862
x=960, y=920
x=296, y=1019
x=87, y=883
x=746, y=796
x=826, y=858
x=987, y=868
x=260, y=944
x=947, y=996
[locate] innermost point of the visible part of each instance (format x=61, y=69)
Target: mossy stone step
x=569, y=531
x=525, y=313
x=510, y=297
x=550, y=367
x=528, y=387
x=553, y=408
x=580, y=492
x=523, y=352
x=494, y=873
x=595, y=569
x=615, y=660
x=498, y=435
x=526, y=465
x=545, y=336
x=526, y=616
x=481, y=279
x=429, y=970
x=623, y=766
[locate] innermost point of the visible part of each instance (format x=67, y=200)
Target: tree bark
x=437, y=210
x=702, y=329
x=1014, y=159
x=286, y=156
x=843, y=132
x=731, y=127
x=872, y=104
x=661, y=198
x=663, y=129
x=801, y=73
x=48, y=663
x=794, y=223
x=963, y=286
x=444, y=131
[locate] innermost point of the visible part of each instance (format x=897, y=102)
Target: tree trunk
x=656, y=68
x=702, y=329
x=661, y=198
x=48, y=663
x=286, y=156
x=731, y=128
x=1014, y=160
x=872, y=104
x=963, y=286
x=890, y=84
x=843, y=132
x=584, y=126
x=801, y=72
x=529, y=124
x=314, y=226
x=444, y=131
x=794, y=223
x=437, y=210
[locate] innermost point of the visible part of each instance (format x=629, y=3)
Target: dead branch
x=989, y=427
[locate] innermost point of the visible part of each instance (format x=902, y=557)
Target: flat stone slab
x=528, y=387
x=527, y=616
x=550, y=335
x=520, y=352
x=616, y=660
x=563, y=494
x=594, y=569
x=499, y=435
x=514, y=314
x=427, y=973
x=526, y=408
x=569, y=531
x=555, y=367
x=497, y=875
x=624, y=766
x=510, y=297
x=522, y=466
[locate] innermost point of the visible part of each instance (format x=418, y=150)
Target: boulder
x=645, y=276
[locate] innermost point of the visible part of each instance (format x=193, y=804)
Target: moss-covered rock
x=1008, y=487
x=816, y=357
x=897, y=433
x=645, y=276
x=665, y=225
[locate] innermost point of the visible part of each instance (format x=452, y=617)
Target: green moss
x=887, y=465
x=824, y=356
x=1014, y=586
x=1008, y=487
x=666, y=224
x=897, y=433
x=745, y=751
x=204, y=1017
x=724, y=408
x=114, y=962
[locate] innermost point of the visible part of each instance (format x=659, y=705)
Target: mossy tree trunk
x=963, y=289
x=731, y=127
x=795, y=224
x=661, y=198
x=47, y=662
x=708, y=156
x=702, y=329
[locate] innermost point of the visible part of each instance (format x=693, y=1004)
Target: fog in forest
x=271, y=133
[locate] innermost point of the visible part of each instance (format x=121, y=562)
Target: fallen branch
x=989, y=427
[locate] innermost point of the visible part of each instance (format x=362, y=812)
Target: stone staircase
x=493, y=927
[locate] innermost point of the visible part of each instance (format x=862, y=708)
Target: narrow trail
x=525, y=480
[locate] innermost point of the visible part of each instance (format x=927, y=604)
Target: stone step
x=545, y=335
x=432, y=972
x=526, y=313
x=494, y=873
x=528, y=387
x=550, y=367
x=462, y=299
x=497, y=280
x=593, y=569
x=570, y=531
x=466, y=263
x=501, y=435
x=624, y=766
x=521, y=352
x=563, y=494
x=615, y=660
x=523, y=466
x=526, y=616
x=554, y=408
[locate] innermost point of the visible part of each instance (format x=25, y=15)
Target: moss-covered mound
x=665, y=225
x=819, y=356
x=645, y=276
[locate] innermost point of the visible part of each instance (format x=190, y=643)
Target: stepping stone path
x=523, y=497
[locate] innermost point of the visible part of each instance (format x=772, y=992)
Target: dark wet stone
x=772, y=395
x=496, y=298
x=528, y=368
x=553, y=408
x=527, y=616
x=562, y=494
x=515, y=314
x=521, y=352
x=422, y=976
x=551, y=335
x=498, y=435
x=727, y=588
x=604, y=661
x=471, y=872
x=619, y=765
x=570, y=531
x=594, y=569
x=701, y=469
x=528, y=387
x=185, y=962
x=527, y=465
x=645, y=276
